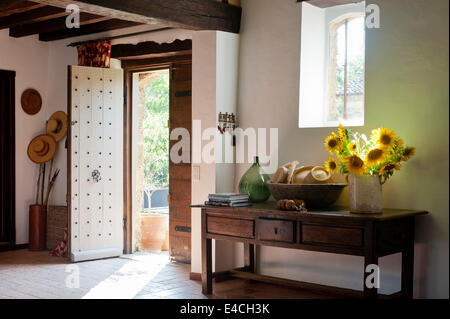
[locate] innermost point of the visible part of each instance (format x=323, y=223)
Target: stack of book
x=228, y=200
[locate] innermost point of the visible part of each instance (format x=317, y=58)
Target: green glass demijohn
x=253, y=183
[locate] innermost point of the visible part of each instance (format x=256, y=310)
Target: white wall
x=227, y=66
x=407, y=90
x=313, y=79
x=227, y=60
x=214, y=89
x=203, y=109
x=31, y=61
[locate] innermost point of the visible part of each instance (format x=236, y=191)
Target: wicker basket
x=56, y=223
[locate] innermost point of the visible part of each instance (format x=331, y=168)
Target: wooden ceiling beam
x=143, y=64
x=10, y=4
x=8, y=7
x=329, y=3
x=149, y=49
x=192, y=14
x=108, y=25
x=53, y=25
x=35, y=15
x=157, y=55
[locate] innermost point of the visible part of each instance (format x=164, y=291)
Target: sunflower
x=408, y=152
x=389, y=167
x=342, y=133
x=331, y=165
x=398, y=142
x=354, y=164
x=353, y=147
x=375, y=156
x=333, y=143
x=383, y=137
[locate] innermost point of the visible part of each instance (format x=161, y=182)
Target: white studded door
x=96, y=163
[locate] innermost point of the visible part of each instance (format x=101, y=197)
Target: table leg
x=370, y=258
x=249, y=257
x=207, y=266
x=408, y=261
x=369, y=292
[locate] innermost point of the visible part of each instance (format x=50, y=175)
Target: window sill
x=357, y=123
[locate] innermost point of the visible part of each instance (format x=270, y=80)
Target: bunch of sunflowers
x=381, y=154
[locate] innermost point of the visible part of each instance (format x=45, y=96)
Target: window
x=332, y=65
x=346, y=70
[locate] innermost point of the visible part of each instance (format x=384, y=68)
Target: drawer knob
x=276, y=230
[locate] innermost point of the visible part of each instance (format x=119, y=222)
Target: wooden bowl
x=315, y=195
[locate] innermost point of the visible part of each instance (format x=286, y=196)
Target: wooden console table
x=336, y=231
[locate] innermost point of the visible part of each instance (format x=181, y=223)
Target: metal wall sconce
x=227, y=123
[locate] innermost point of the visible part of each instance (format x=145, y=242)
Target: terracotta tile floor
x=25, y=274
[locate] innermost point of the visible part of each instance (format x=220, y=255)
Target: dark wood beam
x=8, y=7
x=87, y=29
x=53, y=25
x=157, y=55
x=144, y=64
x=39, y=14
x=11, y=4
x=149, y=49
x=121, y=36
x=192, y=14
x=329, y=3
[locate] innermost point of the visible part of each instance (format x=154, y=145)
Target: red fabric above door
x=95, y=54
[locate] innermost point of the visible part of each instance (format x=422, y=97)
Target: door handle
x=169, y=199
x=96, y=176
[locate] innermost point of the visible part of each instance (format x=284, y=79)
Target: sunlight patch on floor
x=129, y=280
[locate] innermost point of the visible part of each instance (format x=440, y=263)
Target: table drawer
x=276, y=230
x=230, y=226
x=329, y=235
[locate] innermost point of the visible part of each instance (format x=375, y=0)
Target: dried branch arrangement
x=51, y=182
x=40, y=187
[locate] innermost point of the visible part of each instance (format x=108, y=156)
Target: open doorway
x=154, y=196
x=151, y=100
x=7, y=164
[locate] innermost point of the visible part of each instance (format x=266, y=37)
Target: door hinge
x=124, y=223
x=183, y=229
x=183, y=93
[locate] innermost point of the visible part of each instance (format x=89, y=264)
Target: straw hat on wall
x=57, y=125
x=42, y=149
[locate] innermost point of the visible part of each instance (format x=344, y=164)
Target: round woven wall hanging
x=31, y=101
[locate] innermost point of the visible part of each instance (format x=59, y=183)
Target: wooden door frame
x=130, y=67
x=69, y=161
x=10, y=160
